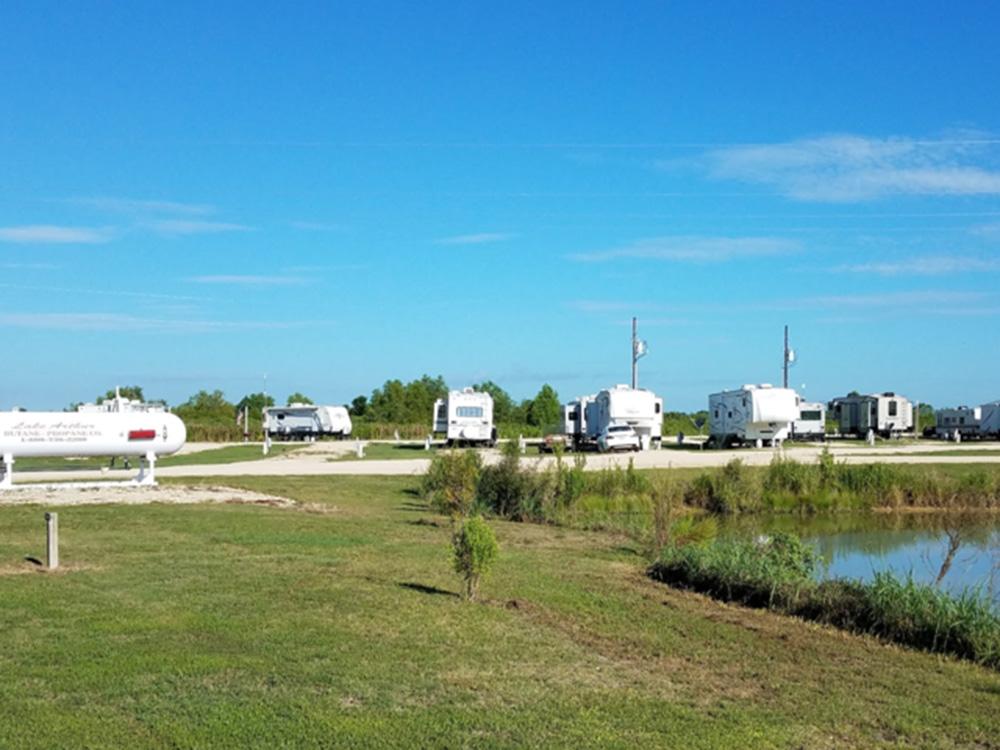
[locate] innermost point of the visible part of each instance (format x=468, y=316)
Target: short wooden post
x=52, y=540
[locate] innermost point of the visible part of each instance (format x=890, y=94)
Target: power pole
x=639, y=349
x=635, y=359
x=784, y=378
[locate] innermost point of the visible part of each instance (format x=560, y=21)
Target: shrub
x=451, y=480
x=507, y=489
x=475, y=549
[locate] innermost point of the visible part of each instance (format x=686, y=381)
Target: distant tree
x=206, y=406
x=503, y=404
x=133, y=392
x=545, y=408
x=406, y=404
x=298, y=398
x=256, y=402
x=359, y=407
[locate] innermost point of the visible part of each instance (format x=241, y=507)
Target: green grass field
x=339, y=626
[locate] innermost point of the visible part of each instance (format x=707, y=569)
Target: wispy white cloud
x=934, y=265
x=927, y=299
x=693, y=249
x=16, y=266
x=842, y=168
x=248, y=280
x=481, y=238
x=134, y=206
x=88, y=321
x=195, y=226
x=103, y=292
x=50, y=234
x=316, y=226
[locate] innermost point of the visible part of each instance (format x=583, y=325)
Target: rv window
x=892, y=408
x=442, y=412
x=572, y=415
x=470, y=411
x=730, y=415
x=716, y=413
x=658, y=406
x=813, y=416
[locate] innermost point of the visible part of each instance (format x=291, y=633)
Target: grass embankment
x=237, y=626
x=780, y=574
x=225, y=455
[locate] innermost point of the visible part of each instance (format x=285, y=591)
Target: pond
x=956, y=551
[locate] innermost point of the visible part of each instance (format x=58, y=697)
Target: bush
x=475, y=549
x=507, y=489
x=451, y=480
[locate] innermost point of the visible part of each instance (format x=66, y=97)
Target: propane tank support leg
x=147, y=474
x=7, y=480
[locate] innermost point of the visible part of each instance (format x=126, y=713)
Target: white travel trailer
x=465, y=417
x=811, y=422
x=587, y=417
x=752, y=414
x=963, y=421
x=306, y=422
x=886, y=414
x=989, y=419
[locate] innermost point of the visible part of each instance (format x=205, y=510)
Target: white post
x=7, y=480
x=267, y=443
x=521, y=445
x=427, y=443
x=52, y=540
x=871, y=438
x=360, y=449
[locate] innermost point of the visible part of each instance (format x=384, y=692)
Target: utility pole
x=639, y=349
x=635, y=359
x=789, y=357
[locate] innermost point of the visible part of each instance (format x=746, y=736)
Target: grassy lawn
x=226, y=455
x=390, y=451
x=237, y=626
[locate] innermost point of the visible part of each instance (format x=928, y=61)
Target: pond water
x=962, y=550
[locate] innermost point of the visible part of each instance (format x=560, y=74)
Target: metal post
x=784, y=379
x=635, y=359
x=52, y=540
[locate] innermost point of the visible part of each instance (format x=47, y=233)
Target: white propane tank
x=56, y=433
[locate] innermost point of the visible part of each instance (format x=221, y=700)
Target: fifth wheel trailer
x=71, y=434
x=810, y=423
x=306, y=422
x=752, y=414
x=588, y=416
x=886, y=414
x=465, y=418
x=963, y=421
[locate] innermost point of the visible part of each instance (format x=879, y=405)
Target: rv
x=306, y=422
x=586, y=418
x=963, y=421
x=756, y=414
x=465, y=417
x=989, y=419
x=885, y=414
x=811, y=422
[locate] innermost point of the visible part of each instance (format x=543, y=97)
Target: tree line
x=394, y=407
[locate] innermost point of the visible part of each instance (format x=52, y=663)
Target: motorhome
x=465, y=418
x=963, y=422
x=886, y=414
x=306, y=422
x=811, y=421
x=758, y=414
x=586, y=418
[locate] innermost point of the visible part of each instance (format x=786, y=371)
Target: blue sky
x=195, y=195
